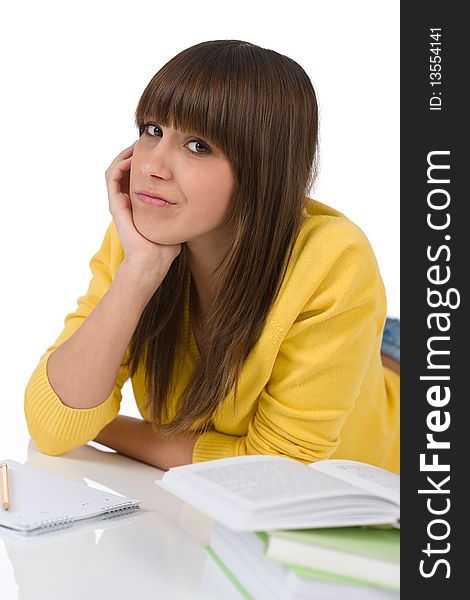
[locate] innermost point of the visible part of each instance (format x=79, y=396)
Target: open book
x=255, y=493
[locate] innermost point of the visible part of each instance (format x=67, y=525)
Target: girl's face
x=185, y=170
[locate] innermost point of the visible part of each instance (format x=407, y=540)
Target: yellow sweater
x=313, y=387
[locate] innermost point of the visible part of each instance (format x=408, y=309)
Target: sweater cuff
x=56, y=428
x=212, y=445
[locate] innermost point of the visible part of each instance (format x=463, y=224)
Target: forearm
x=82, y=371
x=135, y=438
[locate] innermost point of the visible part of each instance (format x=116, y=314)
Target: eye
x=151, y=130
x=145, y=129
x=205, y=149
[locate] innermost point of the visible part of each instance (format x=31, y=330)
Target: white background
x=72, y=75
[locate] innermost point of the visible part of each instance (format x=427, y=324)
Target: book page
x=262, y=481
x=373, y=479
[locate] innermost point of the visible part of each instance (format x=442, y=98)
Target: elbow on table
x=49, y=450
x=54, y=428
x=50, y=445
x=54, y=447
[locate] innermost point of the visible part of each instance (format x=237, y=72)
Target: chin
x=152, y=234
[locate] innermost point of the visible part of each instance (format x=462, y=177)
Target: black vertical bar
x=435, y=267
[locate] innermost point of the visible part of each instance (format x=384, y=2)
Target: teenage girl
x=250, y=318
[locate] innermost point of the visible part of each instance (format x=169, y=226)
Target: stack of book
x=262, y=570
x=286, y=530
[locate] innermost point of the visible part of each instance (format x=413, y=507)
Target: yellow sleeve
x=54, y=427
x=322, y=359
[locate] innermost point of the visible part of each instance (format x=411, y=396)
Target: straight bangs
x=192, y=96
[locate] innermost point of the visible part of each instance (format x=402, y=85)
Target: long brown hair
x=259, y=107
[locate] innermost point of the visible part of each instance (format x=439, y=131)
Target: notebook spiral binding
x=67, y=521
x=54, y=524
x=117, y=510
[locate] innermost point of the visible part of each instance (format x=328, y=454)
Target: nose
x=157, y=162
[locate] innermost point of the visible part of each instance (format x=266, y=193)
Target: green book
x=308, y=572
x=358, y=554
x=240, y=557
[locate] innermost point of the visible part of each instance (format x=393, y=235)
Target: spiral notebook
x=41, y=502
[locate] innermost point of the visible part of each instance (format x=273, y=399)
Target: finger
x=123, y=167
x=117, y=170
x=114, y=189
x=115, y=184
x=121, y=155
x=116, y=162
x=124, y=163
x=129, y=148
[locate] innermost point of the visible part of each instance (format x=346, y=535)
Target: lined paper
x=42, y=502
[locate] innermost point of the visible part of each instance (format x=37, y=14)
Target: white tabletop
x=155, y=553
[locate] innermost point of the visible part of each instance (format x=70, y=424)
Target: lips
x=152, y=195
